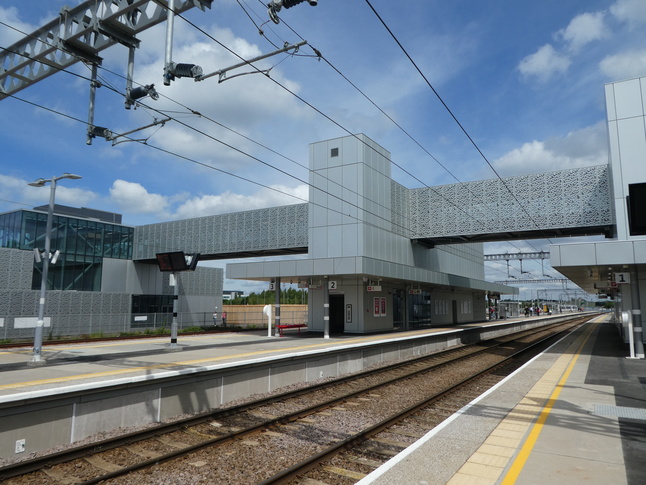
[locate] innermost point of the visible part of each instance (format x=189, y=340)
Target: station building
x=352, y=246
x=366, y=268
x=616, y=268
x=375, y=255
x=95, y=287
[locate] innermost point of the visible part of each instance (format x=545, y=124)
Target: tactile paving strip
x=619, y=412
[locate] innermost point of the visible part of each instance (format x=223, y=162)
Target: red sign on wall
x=377, y=306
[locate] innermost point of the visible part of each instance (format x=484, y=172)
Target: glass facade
x=82, y=244
x=420, y=309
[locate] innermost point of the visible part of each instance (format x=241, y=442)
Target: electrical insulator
x=187, y=70
x=291, y=3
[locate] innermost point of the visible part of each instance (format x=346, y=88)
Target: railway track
x=333, y=432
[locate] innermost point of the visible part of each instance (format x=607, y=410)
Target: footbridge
x=574, y=202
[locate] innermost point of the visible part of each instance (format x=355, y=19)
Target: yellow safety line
x=175, y=364
x=519, y=463
x=196, y=361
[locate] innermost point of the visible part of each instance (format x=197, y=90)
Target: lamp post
x=36, y=358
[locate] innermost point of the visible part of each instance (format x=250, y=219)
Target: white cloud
x=580, y=148
x=583, y=29
x=9, y=36
x=544, y=63
x=231, y=202
x=135, y=199
x=72, y=196
x=17, y=191
x=633, y=12
x=626, y=65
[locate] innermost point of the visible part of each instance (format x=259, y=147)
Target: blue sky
x=525, y=79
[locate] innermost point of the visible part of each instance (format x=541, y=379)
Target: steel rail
x=324, y=455
x=29, y=466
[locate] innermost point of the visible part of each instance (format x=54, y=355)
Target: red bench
x=293, y=325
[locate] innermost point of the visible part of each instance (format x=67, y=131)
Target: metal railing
x=19, y=327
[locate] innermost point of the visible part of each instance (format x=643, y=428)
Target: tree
x=289, y=296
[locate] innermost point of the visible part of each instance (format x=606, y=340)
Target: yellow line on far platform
x=56, y=380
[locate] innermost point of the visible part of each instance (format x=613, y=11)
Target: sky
x=524, y=79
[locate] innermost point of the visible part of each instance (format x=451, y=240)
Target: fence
x=252, y=315
x=97, y=324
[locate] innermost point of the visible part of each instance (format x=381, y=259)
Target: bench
x=292, y=325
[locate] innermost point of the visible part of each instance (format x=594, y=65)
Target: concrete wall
x=46, y=419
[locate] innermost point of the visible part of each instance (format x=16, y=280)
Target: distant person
x=526, y=311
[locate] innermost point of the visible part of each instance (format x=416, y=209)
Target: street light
x=36, y=358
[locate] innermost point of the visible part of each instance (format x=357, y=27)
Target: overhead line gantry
x=80, y=33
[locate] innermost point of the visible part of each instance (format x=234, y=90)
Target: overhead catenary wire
x=266, y=147
x=300, y=98
x=453, y=116
x=311, y=106
x=108, y=85
x=398, y=125
x=211, y=167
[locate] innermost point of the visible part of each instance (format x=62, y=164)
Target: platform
x=90, y=364
x=574, y=415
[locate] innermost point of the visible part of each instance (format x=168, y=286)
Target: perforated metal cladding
x=400, y=209
x=201, y=282
x=273, y=228
x=569, y=198
x=72, y=313
x=17, y=268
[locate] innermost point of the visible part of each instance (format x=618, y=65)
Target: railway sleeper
x=365, y=461
x=343, y=472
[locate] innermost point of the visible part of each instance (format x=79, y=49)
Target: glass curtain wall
x=82, y=244
x=420, y=309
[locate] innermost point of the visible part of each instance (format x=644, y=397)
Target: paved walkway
x=575, y=415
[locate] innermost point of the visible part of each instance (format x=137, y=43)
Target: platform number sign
x=272, y=286
x=332, y=285
x=622, y=278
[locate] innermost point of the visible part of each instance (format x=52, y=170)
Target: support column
x=173, y=329
x=90, y=117
x=405, y=308
x=168, y=57
x=637, y=313
x=326, y=307
x=277, y=314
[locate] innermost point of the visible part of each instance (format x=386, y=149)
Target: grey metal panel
x=72, y=313
x=578, y=254
x=640, y=252
x=264, y=229
x=203, y=281
x=555, y=200
x=619, y=252
x=628, y=99
x=19, y=266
